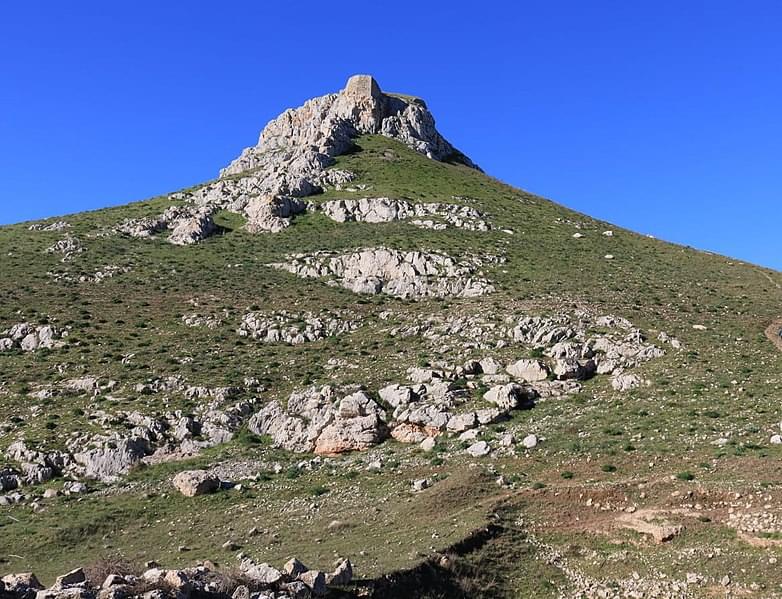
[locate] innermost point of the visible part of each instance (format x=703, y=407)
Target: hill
x=375, y=351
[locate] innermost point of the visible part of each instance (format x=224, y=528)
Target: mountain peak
x=324, y=127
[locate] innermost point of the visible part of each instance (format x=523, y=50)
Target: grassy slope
x=656, y=285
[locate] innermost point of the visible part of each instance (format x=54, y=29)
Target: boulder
x=193, y=228
x=72, y=578
x=342, y=575
x=241, y=592
x=351, y=434
x=113, y=580
x=571, y=368
x=421, y=484
x=479, y=449
x=459, y=423
x=23, y=586
x=115, y=457
x=407, y=432
x=428, y=444
x=315, y=581
x=510, y=396
x=530, y=371
x=196, y=482
x=488, y=415
x=261, y=573
x=396, y=395
x=490, y=366
x=294, y=567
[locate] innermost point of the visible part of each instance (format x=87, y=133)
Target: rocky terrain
x=356, y=351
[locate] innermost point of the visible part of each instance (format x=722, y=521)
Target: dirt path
x=770, y=280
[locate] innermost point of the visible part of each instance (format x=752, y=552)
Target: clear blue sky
x=661, y=116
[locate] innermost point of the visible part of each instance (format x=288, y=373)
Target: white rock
x=528, y=370
x=421, y=484
x=428, y=444
x=195, y=482
x=625, y=382
x=479, y=449
x=530, y=441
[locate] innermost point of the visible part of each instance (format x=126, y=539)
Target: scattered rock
x=187, y=224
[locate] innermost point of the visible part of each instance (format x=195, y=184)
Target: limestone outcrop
x=187, y=224
x=69, y=247
x=29, y=337
x=429, y=215
x=295, y=328
x=294, y=152
x=401, y=274
x=318, y=420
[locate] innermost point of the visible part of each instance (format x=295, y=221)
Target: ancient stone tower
x=362, y=87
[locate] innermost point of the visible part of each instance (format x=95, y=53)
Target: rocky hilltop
x=292, y=156
x=324, y=127
x=355, y=350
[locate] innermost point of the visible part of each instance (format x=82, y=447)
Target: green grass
x=594, y=437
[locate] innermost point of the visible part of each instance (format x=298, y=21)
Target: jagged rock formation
x=272, y=213
x=294, y=328
x=384, y=210
x=317, y=420
x=401, y=274
x=131, y=437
